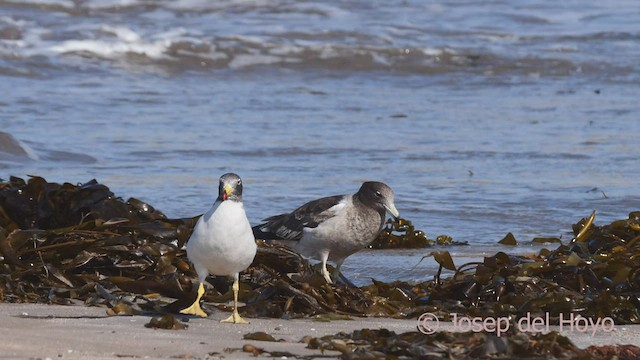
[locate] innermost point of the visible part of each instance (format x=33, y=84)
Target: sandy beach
x=38, y=331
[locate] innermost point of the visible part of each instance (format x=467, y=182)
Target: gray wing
x=290, y=226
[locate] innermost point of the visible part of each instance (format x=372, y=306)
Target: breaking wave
x=86, y=36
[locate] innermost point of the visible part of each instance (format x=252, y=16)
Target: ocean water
x=484, y=117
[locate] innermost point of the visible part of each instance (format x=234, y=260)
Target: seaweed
x=595, y=275
x=80, y=244
x=167, y=322
x=383, y=343
x=259, y=336
x=400, y=233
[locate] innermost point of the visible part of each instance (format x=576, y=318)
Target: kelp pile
x=384, y=344
x=80, y=244
x=595, y=275
x=399, y=233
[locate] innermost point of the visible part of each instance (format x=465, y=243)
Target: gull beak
x=228, y=190
x=392, y=210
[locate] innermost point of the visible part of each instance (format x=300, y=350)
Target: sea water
x=484, y=117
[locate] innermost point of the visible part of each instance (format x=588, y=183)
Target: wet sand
x=73, y=332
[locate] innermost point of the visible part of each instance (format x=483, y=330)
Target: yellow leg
x=235, y=317
x=195, y=308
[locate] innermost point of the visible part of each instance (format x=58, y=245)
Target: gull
x=222, y=243
x=332, y=228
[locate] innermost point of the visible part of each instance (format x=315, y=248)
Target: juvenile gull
x=334, y=227
x=222, y=243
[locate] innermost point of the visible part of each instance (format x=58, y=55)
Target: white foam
x=247, y=39
x=432, y=51
x=284, y=50
x=109, y=49
x=122, y=32
x=241, y=61
x=126, y=41
x=108, y=41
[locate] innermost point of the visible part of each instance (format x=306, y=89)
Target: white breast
x=222, y=240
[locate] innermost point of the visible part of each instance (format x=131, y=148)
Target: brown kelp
x=80, y=244
x=385, y=344
x=400, y=233
x=167, y=322
x=595, y=275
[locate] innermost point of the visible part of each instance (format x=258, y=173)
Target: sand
x=74, y=332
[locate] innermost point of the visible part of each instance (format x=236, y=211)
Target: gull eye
x=378, y=194
x=239, y=182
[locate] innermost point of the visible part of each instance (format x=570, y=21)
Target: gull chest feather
x=342, y=235
x=222, y=240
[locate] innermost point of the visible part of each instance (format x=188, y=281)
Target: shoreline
x=72, y=332
x=136, y=264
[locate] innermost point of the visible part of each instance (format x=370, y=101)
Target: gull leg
x=324, y=271
x=195, y=308
x=336, y=271
x=235, y=317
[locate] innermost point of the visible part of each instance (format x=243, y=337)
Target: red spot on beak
x=224, y=195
